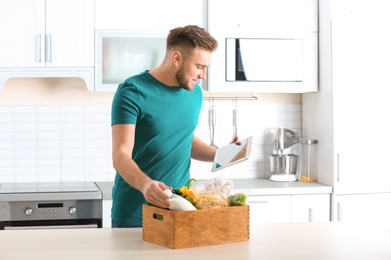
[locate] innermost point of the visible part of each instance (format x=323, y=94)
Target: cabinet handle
x=48, y=53
x=310, y=217
x=38, y=48
x=338, y=167
x=258, y=201
x=339, y=212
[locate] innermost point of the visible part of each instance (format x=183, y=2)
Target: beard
x=182, y=81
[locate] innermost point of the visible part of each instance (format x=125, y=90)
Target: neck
x=165, y=75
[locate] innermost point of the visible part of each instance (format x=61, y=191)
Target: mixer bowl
x=283, y=163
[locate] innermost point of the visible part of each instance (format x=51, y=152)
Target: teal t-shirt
x=165, y=119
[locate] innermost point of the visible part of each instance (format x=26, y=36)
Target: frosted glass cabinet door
x=22, y=33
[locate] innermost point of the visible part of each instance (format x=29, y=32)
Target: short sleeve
x=125, y=108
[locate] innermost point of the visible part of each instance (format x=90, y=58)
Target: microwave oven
x=265, y=63
x=121, y=54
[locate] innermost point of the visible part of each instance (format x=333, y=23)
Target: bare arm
x=123, y=142
x=201, y=151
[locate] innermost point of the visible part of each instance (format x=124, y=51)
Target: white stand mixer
x=284, y=159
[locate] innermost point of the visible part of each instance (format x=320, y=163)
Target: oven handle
x=51, y=227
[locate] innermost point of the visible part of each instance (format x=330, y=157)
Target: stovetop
x=49, y=191
x=47, y=187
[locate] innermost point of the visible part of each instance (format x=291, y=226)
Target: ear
x=176, y=58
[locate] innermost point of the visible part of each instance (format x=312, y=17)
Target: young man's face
x=193, y=68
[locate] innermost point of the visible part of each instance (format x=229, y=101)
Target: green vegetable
x=238, y=199
x=177, y=192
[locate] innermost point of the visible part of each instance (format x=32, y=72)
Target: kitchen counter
x=326, y=240
x=255, y=187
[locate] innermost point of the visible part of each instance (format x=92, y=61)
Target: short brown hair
x=191, y=37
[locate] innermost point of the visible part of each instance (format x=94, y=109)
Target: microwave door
x=264, y=60
x=239, y=70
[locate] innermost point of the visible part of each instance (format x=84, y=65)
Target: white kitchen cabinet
x=278, y=20
x=106, y=212
x=153, y=15
x=364, y=208
x=47, y=33
x=289, y=208
x=311, y=208
x=347, y=114
x=269, y=209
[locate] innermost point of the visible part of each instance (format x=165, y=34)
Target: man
x=154, y=115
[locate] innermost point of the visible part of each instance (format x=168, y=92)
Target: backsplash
x=51, y=143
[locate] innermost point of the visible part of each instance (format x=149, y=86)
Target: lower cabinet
x=106, y=212
x=363, y=208
x=273, y=209
x=269, y=209
x=289, y=208
x=311, y=208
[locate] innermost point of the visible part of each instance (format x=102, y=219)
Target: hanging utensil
x=234, y=119
x=212, y=124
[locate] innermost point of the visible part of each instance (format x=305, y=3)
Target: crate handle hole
x=158, y=216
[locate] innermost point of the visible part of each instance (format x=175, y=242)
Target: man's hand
x=235, y=139
x=153, y=193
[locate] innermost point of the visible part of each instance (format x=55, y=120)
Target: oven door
x=51, y=224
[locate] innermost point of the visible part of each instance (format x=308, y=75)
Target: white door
x=269, y=209
x=70, y=33
x=364, y=208
x=361, y=55
x=52, y=33
x=106, y=212
x=22, y=33
x=311, y=208
x=156, y=15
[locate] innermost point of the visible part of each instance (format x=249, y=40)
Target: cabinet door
x=70, y=33
x=311, y=208
x=22, y=33
x=49, y=33
x=149, y=15
x=106, y=212
x=361, y=56
x=269, y=209
x=364, y=208
x=263, y=19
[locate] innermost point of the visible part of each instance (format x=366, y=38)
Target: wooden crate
x=185, y=229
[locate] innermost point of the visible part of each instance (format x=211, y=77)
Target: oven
x=50, y=205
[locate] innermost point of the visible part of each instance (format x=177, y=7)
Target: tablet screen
x=232, y=154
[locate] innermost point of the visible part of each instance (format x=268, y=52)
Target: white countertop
x=315, y=241
x=255, y=187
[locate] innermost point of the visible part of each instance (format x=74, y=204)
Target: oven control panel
x=44, y=210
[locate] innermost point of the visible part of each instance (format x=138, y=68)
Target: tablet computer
x=232, y=153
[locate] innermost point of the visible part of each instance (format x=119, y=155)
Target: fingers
x=235, y=139
x=153, y=193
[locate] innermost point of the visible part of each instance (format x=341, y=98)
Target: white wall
x=55, y=130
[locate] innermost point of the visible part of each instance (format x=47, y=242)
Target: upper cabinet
x=264, y=46
x=46, y=34
x=22, y=39
x=131, y=36
x=155, y=15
